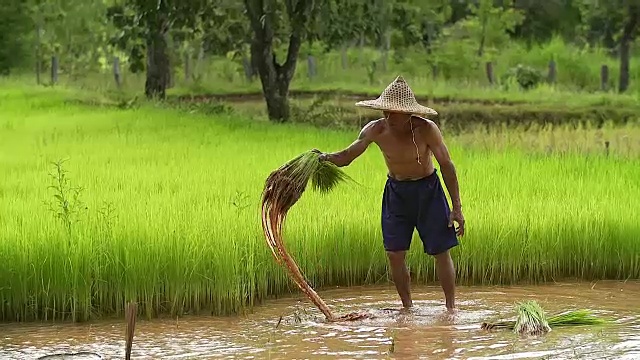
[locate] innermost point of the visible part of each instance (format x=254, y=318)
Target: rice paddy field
x=161, y=206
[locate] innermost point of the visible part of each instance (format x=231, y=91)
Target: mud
x=293, y=329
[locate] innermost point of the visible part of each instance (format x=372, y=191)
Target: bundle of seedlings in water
x=531, y=320
x=283, y=188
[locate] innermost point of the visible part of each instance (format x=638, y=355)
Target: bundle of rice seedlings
x=532, y=320
x=283, y=188
x=576, y=317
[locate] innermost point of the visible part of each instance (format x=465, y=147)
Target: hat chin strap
x=413, y=135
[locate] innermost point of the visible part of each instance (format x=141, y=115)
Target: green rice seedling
x=282, y=190
x=179, y=238
x=576, y=317
x=531, y=320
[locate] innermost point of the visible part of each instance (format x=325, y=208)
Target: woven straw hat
x=397, y=97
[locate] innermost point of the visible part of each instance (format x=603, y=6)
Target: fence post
x=343, y=57
x=248, y=68
x=54, y=70
x=38, y=54
x=489, y=70
x=187, y=66
x=116, y=71
x=551, y=77
x=311, y=64
x=604, y=78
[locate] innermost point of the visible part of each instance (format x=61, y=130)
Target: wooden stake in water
x=130, y=316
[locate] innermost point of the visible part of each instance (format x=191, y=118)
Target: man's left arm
x=449, y=175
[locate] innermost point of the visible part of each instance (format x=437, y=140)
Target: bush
x=526, y=76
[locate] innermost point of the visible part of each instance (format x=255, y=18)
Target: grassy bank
x=168, y=214
x=338, y=111
x=461, y=75
x=460, y=91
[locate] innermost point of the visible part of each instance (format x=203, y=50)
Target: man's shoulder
x=373, y=128
x=424, y=125
x=422, y=122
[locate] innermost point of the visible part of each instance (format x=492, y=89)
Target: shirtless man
x=413, y=196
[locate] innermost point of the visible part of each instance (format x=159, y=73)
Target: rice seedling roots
x=283, y=188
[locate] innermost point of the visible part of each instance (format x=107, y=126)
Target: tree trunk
x=158, y=70
x=625, y=44
x=483, y=37
x=274, y=78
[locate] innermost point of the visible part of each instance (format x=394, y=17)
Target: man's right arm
x=357, y=148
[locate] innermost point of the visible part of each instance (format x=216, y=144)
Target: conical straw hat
x=397, y=97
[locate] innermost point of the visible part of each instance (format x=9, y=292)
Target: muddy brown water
x=425, y=333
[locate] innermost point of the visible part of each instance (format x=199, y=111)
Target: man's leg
x=397, y=229
x=401, y=276
x=447, y=275
x=437, y=237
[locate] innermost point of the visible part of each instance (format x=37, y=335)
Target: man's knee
x=396, y=258
x=443, y=257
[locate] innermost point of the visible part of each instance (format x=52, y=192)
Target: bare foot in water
x=406, y=310
x=402, y=310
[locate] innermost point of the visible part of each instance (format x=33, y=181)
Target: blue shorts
x=419, y=204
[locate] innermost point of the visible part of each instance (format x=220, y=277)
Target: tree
x=345, y=21
x=417, y=21
x=145, y=27
x=268, y=20
x=484, y=31
x=545, y=19
x=494, y=23
x=613, y=22
x=14, y=27
x=629, y=32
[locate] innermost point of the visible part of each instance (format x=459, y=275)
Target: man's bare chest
x=402, y=149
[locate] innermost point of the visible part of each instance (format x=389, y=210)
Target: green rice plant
x=177, y=238
x=532, y=320
x=575, y=317
x=282, y=190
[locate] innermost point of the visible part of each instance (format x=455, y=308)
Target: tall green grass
x=169, y=213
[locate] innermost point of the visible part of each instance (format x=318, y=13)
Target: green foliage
x=67, y=205
x=214, y=23
x=547, y=19
x=15, y=26
x=336, y=29
x=483, y=32
x=531, y=319
x=76, y=31
x=459, y=37
x=576, y=317
x=181, y=243
x=603, y=21
x=526, y=76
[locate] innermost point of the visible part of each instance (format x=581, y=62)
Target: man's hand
x=322, y=156
x=456, y=216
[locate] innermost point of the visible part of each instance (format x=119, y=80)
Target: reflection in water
x=426, y=332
